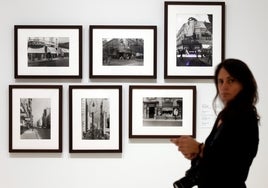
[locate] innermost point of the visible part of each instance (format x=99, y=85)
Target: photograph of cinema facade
x=194, y=42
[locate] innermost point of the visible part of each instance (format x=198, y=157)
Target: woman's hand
x=187, y=145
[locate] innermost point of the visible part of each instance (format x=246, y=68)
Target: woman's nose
x=224, y=85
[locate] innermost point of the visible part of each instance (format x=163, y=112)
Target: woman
x=227, y=154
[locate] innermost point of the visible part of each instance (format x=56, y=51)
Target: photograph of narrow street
x=35, y=118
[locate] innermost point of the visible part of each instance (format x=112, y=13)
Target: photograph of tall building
x=95, y=114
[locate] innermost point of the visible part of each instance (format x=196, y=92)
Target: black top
x=229, y=150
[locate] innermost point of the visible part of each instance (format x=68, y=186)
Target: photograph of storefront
x=162, y=111
x=95, y=118
x=48, y=51
x=194, y=40
x=123, y=51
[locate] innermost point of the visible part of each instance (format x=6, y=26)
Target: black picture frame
x=95, y=118
x=123, y=51
x=35, y=118
x=48, y=51
x=162, y=111
x=194, y=39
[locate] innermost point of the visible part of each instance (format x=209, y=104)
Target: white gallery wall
x=144, y=163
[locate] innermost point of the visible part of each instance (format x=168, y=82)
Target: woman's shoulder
x=244, y=112
x=242, y=118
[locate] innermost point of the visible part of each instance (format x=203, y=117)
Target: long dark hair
x=248, y=96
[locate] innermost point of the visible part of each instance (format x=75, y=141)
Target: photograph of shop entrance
x=95, y=118
x=194, y=40
x=162, y=111
x=123, y=51
x=35, y=118
x=48, y=51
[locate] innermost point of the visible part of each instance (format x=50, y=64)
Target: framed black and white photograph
x=194, y=38
x=48, y=51
x=161, y=111
x=95, y=118
x=123, y=51
x=35, y=118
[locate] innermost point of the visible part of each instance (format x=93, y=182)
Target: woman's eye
x=231, y=80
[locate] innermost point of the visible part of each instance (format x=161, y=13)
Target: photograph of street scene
x=95, y=114
x=194, y=40
x=162, y=111
x=35, y=118
x=123, y=51
x=48, y=51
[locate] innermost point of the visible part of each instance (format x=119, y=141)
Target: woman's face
x=228, y=86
